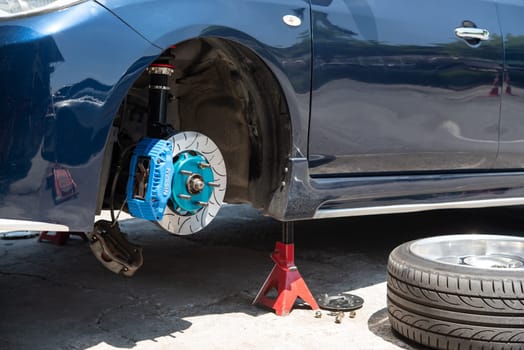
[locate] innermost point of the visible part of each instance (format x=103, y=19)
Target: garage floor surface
x=195, y=292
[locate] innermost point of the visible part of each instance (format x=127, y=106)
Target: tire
x=436, y=299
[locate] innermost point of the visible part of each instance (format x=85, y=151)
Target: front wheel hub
x=198, y=185
x=195, y=184
x=191, y=176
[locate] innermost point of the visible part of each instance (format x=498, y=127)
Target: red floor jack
x=59, y=238
x=285, y=278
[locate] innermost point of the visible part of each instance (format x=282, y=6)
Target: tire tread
x=455, y=308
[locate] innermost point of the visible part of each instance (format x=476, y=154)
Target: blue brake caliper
x=150, y=176
x=155, y=178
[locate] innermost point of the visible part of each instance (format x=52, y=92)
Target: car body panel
x=59, y=93
x=321, y=196
x=61, y=90
x=396, y=91
x=255, y=24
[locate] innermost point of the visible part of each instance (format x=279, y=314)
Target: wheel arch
x=254, y=127
x=264, y=123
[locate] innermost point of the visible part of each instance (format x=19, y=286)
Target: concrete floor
x=196, y=292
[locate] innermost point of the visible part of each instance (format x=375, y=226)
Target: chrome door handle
x=472, y=33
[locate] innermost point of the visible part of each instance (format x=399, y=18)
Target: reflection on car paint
x=384, y=88
x=59, y=93
x=24, y=98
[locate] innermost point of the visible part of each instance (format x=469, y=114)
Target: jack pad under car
x=198, y=186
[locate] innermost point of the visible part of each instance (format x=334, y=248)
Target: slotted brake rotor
x=199, y=184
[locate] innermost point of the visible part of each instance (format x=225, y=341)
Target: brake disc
x=185, y=220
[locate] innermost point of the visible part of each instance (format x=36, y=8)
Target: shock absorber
x=159, y=95
x=151, y=168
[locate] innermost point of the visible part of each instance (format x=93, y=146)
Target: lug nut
x=186, y=172
x=202, y=204
x=318, y=314
x=352, y=314
x=184, y=196
x=204, y=165
x=213, y=184
x=195, y=184
x=339, y=317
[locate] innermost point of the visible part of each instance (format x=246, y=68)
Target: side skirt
x=305, y=197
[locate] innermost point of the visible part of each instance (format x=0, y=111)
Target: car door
x=396, y=90
x=511, y=13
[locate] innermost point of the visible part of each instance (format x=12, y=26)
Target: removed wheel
x=459, y=292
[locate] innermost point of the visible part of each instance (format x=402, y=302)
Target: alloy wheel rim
x=490, y=252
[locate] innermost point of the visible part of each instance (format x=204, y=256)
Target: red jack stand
x=285, y=278
x=495, y=87
x=59, y=238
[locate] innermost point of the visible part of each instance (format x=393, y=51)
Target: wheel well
x=225, y=91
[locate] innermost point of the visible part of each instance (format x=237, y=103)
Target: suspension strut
x=150, y=175
x=159, y=96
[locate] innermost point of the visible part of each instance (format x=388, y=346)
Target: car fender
x=256, y=24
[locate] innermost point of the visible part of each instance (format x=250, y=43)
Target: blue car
x=305, y=109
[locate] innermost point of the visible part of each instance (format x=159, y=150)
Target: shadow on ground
x=61, y=298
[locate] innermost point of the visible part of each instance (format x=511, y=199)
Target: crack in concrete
x=30, y=275
x=11, y=264
x=84, y=287
x=47, y=279
x=70, y=347
x=216, y=302
x=135, y=301
x=104, y=313
x=18, y=262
